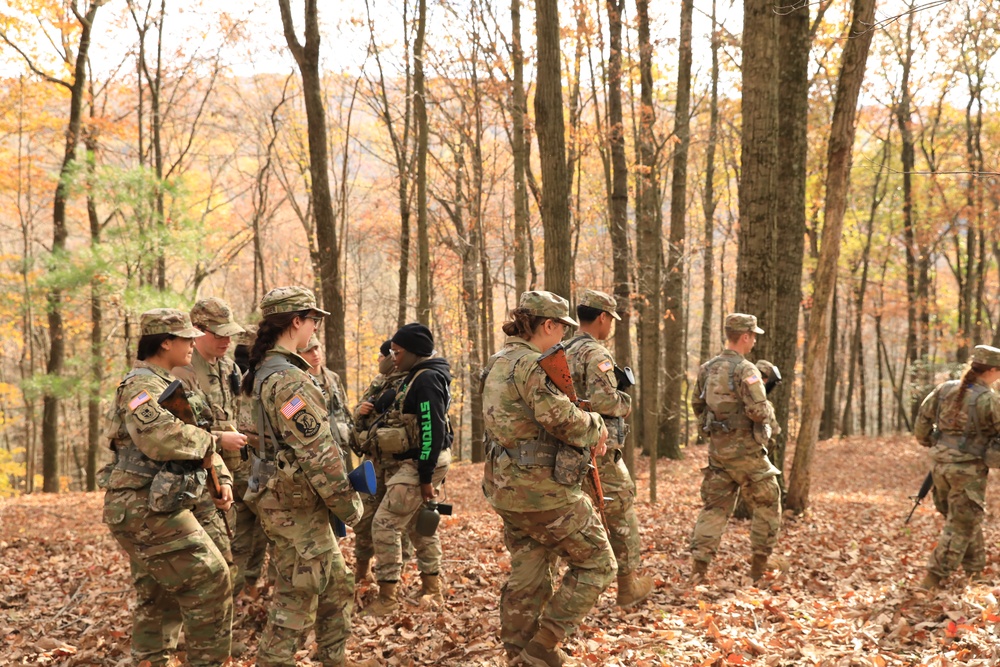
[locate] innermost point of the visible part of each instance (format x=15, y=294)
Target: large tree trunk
x=621, y=251
x=518, y=112
x=839, y=155
x=420, y=117
x=755, y=276
x=675, y=361
x=57, y=341
x=649, y=248
x=307, y=58
x=550, y=129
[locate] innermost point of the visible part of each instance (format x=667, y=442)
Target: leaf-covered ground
x=848, y=596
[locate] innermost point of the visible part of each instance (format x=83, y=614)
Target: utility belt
x=728, y=425
x=960, y=443
x=129, y=459
x=173, y=485
x=569, y=464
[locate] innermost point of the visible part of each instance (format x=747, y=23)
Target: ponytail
x=522, y=323
x=970, y=375
x=268, y=332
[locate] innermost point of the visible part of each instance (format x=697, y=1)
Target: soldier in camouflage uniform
x=341, y=421
x=414, y=445
x=154, y=485
x=594, y=379
x=370, y=412
x=731, y=403
x=958, y=421
x=530, y=425
x=297, y=481
x=217, y=378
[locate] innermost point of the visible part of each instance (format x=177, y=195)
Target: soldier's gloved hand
x=225, y=501
x=366, y=408
x=427, y=492
x=231, y=441
x=602, y=444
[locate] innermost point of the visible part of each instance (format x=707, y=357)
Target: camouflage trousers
x=311, y=590
x=960, y=495
x=249, y=542
x=364, y=549
x=181, y=578
x=619, y=510
x=536, y=541
x=397, y=515
x=754, y=477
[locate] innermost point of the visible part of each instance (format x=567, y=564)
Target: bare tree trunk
x=709, y=204
x=839, y=155
x=518, y=112
x=307, y=57
x=550, y=129
x=649, y=248
x=674, y=329
x=96, y=317
x=420, y=117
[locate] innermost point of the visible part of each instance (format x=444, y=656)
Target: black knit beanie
x=385, y=348
x=415, y=338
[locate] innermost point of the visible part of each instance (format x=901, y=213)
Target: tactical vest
x=971, y=439
x=396, y=418
x=539, y=452
x=128, y=457
x=263, y=466
x=726, y=411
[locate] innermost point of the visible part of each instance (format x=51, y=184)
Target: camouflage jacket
x=381, y=393
x=295, y=408
x=215, y=383
x=729, y=401
x=942, y=410
x=136, y=421
x=594, y=379
x=521, y=405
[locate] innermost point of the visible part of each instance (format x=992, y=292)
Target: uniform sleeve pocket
x=114, y=513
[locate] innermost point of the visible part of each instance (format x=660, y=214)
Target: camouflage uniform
x=381, y=388
x=179, y=572
x=957, y=429
x=296, y=483
x=341, y=421
x=219, y=383
x=731, y=403
x=527, y=421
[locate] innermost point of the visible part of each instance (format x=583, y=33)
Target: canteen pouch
x=289, y=485
x=174, y=486
x=571, y=465
x=392, y=440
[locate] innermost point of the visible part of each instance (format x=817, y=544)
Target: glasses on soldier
x=316, y=319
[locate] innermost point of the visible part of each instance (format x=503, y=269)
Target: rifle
x=553, y=361
x=175, y=401
x=921, y=494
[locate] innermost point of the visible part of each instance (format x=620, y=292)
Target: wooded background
x=829, y=167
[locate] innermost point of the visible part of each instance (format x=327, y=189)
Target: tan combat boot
x=699, y=572
x=386, y=602
x=541, y=651
x=362, y=570
x=633, y=589
x=430, y=584
x=758, y=566
x=930, y=581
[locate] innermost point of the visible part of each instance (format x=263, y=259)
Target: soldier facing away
x=546, y=515
x=957, y=421
x=341, y=421
x=297, y=481
x=594, y=378
x=154, y=486
x=731, y=403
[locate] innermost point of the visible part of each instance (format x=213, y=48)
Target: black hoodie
x=429, y=397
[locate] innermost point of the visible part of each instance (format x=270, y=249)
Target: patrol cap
x=311, y=345
x=215, y=315
x=546, y=304
x=986, y=355
x=248, y=336
x=742, y=323
x=601, y=301
x=289, y=300
x=167, y=321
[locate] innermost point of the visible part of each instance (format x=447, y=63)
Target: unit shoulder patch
x=307, y=425
x=147, y=413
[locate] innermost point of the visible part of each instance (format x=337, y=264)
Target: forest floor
x=849, y=595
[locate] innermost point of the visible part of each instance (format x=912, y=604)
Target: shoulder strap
x=267, y=368
x=135, y=372
x=572, y=342
x=405, y=387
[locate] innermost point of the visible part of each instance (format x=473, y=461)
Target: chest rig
x=726, y=411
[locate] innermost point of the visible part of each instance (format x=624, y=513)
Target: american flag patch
x=753, y=379
x=140, y=398
x=292, y=406
x=605, y=366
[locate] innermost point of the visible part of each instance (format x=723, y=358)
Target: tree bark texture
x=674, y=329
x=550, y=128
x=839, y=155
x=518, y=112
x=709, y=203
x=307, y=58
x=420, y=118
